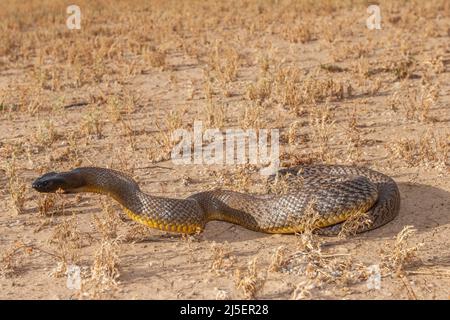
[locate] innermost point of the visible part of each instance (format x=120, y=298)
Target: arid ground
x=112, y=93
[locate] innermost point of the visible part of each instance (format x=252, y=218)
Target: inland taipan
x=334, y=192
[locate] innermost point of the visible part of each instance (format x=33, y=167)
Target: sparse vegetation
x=11, y=259
x=104, y=272
x=222, y=259
x=67, y=241
x=429, y=150
x=113, y=93
x=397, y=257
x=250, y=281
x=16, y=188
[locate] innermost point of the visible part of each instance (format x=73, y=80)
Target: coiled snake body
x=334, y=192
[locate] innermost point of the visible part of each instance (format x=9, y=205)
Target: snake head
x=52, y=182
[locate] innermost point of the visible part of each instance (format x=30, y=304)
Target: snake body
x=334, y=192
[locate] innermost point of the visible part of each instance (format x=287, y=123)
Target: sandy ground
x=158, y=265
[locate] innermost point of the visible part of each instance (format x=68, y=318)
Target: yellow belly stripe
x=152, y=223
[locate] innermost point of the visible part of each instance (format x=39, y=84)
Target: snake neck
x=117, y=185
x=168, y=214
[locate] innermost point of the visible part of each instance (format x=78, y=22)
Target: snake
x=334, y=193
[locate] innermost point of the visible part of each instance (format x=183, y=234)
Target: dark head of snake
x=334, y=192
x=67, y=182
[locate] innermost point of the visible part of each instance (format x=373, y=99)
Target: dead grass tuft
x=104, y=272
x=108, y=222
x=222, y=258
x=16, y=187
x=51, y=205
x=68, y=241
x=11, y=260
x=354, y=223
x=429, y=150
x=396, y=258
x=278, y=260
x=417, y=102
x=249, y=282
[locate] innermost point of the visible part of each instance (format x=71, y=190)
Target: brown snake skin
x=333, y=191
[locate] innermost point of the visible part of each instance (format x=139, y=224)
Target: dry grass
x=354, y=223
x=222, y=258
x=46, y=134
x=51, y=205
x=303, y=290
x=278, y=260
x=215, y=114
x=104, y=272
x=317, y=268
x=430, y=150
x=238, y=179
x=354, y=140
x=260, y=91
x=11, y=260
x=225, y=62
x=250, y=282
x=137, y=233
x=108, y=222
x=16, y=188
x=417, y=102
x=93, y=123
x=396, y=258
x=164, y=139
x=155, y=58
x=322, y=124
x=68, y=241
x=321, y=269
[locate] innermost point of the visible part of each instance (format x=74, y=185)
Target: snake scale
x=335, y=192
